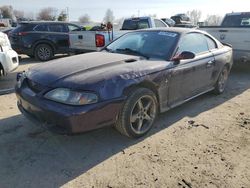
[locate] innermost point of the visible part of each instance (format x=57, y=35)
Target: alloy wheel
x=143, y=114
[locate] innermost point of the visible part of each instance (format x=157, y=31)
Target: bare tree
x=195, y=16
x=19, y=14
x=6, y=11
x=48, y=14
x=109, y=16
x=84, y=19
x=213, y=20
x=62, y=16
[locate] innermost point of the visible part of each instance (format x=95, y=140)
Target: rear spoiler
x=227, y=44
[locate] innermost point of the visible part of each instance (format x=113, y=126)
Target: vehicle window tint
x=211, y=43
x=41, y=27
x=242, y=20
x=135, y=24
x=57, y=28
x=193, y=42
x=74, y=28
x=158, y=23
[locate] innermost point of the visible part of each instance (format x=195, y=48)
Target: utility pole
x=67, y=12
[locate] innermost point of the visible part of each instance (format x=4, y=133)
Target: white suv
x=8, y=57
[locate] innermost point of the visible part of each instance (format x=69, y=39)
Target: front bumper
x=9, y=60
x=72, y=119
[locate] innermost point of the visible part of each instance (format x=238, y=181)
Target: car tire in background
x=43, y=52
x=222, y=80
x=138, y=113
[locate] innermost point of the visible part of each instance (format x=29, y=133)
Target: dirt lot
x=204, y=143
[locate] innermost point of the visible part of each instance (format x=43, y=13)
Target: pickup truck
x=234, y=30
x=87, y=41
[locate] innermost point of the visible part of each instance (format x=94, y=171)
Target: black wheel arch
x=44, y=41
x=145, y=84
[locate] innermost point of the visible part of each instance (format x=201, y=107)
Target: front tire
x=222, y=80
x=138, y=113
x=43, y=52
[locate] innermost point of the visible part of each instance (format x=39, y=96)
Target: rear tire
x=222, y=80
x=43, y=52
x=138, y=113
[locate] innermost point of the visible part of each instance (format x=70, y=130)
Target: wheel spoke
x=133, y=118
x=148, y=105
x=140, y=105
x=147, y=117
x=140, y=123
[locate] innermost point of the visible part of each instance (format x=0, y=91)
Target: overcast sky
x=125, y=8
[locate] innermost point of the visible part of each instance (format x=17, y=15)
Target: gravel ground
x=203, y=143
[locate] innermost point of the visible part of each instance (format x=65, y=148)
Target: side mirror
x=184, y=55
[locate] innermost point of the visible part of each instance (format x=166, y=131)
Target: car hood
x=93, y=67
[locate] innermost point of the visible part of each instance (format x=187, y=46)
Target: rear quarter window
x=211, y=43
x=134, y=24
x=241, y=20
x=23, y=27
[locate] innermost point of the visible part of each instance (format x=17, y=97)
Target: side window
x=158, y=23
x=211, y=43
x=73, y=28
x=57, y=28
x=193, y=42
x=41, y=27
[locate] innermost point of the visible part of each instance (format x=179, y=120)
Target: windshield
x=149, y=44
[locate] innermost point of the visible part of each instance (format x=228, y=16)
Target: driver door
x=193, y=76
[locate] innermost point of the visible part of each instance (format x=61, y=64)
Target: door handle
x=210, y=63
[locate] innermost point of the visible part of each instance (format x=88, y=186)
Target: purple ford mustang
x=128, y=83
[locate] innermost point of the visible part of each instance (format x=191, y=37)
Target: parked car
x=87, y=41
x=8, y=57
x=42, y=40
x=234, y=30
x=135, y=77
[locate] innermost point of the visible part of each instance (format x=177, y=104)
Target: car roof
x=174, y=29
x=47, y=22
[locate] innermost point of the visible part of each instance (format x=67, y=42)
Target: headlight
x=67, y=96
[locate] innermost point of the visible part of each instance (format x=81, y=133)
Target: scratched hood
x=92, y=67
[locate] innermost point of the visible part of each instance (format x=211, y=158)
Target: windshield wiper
x=108, y=50
x=131, y=51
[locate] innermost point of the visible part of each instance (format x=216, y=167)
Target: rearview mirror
x=183, y=55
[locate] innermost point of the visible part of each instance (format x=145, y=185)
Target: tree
x=213, y=20
x=6, y=11
x=195, y=16
x=62, y=16
x=48, y=14
x=109, y=16
x=84, y=19
x=19, y=14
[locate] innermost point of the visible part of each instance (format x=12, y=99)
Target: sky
x=126, y=8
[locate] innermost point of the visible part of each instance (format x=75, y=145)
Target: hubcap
x=222, y=80
x=143, y=114
x=44, y=53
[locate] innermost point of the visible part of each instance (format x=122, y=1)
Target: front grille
x=34, y=86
